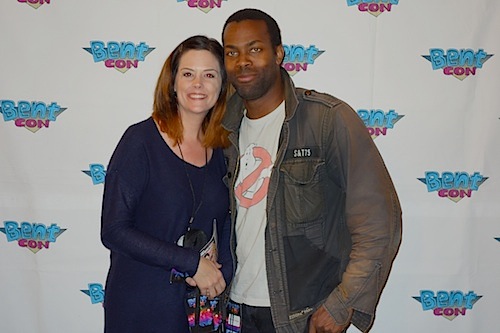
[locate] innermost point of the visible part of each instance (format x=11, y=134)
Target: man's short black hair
x=256, y=15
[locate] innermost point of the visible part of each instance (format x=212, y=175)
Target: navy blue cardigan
x=147, y=203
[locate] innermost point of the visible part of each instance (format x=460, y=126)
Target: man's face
x=252, y=64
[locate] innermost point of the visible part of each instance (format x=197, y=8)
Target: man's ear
x=280, y=54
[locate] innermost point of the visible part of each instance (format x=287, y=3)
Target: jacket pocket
x=303, y=193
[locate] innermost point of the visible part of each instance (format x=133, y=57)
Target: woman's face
x=198, y=82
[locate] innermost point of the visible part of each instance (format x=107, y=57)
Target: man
x=316, y=219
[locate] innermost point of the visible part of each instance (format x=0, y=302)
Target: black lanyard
x=195, y=210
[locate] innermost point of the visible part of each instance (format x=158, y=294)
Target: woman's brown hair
x=165, y=111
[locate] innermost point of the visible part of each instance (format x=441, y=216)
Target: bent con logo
x=203, y=5
x=298, y=57
x=460, y=63
x=96, y=172
x=377, y=121
x=121, y=56
x=374, y=7
x=33, y=236
x=30, y=115
x=95, y=292
x=34, y=3
x=447, y=304
x=453, y=185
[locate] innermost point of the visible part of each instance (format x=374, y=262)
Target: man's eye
x=255, y=49
x=231, y=53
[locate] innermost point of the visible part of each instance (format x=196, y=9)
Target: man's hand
x=322, y=322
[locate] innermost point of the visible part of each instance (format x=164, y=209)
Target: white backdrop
x=63, y=114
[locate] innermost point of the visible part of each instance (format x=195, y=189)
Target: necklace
x=195, y=210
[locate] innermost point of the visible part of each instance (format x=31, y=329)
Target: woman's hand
x=208, y=278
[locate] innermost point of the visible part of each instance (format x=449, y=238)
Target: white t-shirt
x=258, y=145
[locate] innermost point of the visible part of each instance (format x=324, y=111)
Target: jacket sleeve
x=373, y=217
x=126, y=179
x=225, y=258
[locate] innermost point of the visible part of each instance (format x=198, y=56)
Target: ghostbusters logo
x=255, y=171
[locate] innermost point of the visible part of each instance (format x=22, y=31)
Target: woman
x=164, y=185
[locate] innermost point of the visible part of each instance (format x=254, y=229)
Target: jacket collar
x=235, y=106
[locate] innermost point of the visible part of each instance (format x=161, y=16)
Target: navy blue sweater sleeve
x=126, y=179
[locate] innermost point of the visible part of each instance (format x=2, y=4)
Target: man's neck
x=261, y=107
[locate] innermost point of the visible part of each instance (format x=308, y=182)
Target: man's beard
x=257, y=88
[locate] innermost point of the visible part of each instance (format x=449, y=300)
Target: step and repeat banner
x=422, y=75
